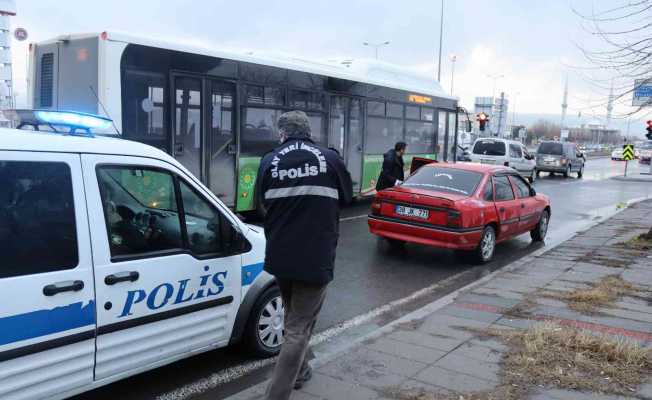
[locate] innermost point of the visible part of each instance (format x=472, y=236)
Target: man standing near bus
x=302, y=186
x=393, y=172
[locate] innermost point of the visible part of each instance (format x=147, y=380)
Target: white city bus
x=215, y=111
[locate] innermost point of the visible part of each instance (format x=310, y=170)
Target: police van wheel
x=264, y=331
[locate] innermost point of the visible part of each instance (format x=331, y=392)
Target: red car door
x=528, y=213
x=508, y=207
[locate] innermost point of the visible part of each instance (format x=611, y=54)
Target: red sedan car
x=469, y=207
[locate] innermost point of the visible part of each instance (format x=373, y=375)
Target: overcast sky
x=531, y=42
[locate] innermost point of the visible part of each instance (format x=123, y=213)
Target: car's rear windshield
x=489, y=147
x=550, y=148
x=447, y=180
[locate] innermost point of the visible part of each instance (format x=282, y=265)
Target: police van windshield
x=489, y=147
x=552, y=148
x=447, y=180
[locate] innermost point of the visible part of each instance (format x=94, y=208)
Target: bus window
x=441, y=135
x=265, y=95
x=142, y=108
x=382, y=134
x=451, y=136
x=420, y=137
x=259, y=132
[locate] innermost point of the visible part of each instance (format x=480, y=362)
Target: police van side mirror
x=239, y=243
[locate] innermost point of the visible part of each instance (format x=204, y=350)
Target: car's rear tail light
x=454, y=219
x=375, y=207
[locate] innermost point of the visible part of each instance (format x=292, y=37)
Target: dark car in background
x=558, y=157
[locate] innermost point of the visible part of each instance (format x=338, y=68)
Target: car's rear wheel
x=264, y=331
x=485, y=250
x=540, y=231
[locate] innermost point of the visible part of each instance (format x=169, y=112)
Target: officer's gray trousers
x=302, y=303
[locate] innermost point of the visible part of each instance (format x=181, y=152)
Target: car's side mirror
x=532, y=192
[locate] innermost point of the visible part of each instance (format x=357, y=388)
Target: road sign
x=642, y=93
x=20, y=34
x=628, y=152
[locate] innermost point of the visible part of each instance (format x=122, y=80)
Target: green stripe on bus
x=372, y=164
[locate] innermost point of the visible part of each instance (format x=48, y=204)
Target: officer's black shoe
x=301, y=380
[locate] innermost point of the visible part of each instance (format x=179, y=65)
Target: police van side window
x=140, y=209
x=209, y=232
x=37, y=218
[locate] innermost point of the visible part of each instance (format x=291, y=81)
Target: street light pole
x=441, y=38
x=453, y=59
x=376, y=46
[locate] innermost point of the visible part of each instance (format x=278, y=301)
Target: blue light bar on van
x=69, y=118
x=68, y=122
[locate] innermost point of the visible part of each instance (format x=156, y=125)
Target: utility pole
x=500, y=112
x=564, y=104
x=441, y=37
x=453, y=59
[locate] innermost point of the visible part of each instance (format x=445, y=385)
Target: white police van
x=114, y=260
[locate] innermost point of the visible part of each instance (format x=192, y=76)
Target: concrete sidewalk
x=447, y=352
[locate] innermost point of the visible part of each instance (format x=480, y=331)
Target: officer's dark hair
x=400, y=146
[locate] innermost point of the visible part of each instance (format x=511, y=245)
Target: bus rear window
x=489, y=147
x=447, y=180
x=550, y=148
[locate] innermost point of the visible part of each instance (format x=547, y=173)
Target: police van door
x=47, y=305
x=167, y=276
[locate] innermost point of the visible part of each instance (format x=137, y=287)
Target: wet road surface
x=368, y=276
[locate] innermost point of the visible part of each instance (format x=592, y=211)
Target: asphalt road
x=368, y=276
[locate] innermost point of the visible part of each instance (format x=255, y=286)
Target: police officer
x=302, y=186
x=393, y=167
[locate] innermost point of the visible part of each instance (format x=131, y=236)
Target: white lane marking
x=235, y=372
x=353, y=218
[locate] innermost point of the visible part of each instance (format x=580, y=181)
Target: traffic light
x=648, y=135
x=482, y=120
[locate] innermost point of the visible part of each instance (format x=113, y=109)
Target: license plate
x=487, y=161
x=412, y=212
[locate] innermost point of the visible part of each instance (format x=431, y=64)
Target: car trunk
x=418, y=205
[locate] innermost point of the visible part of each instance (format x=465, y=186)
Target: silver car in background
x=558, y=157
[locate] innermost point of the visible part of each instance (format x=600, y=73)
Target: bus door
x=203, y=138
x=345, y=135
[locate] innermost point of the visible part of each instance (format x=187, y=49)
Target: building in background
x=7, y=10
x=595, y=132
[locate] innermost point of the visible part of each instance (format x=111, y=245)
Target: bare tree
x=545, y=130
x=622, y=52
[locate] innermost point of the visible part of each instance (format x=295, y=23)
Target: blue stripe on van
x=250, y=272
x=46, y=322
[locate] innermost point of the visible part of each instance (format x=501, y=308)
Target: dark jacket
x=302, y=186
x=392, y=170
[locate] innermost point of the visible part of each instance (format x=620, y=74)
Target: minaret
x=610, y=105
x=564, y=104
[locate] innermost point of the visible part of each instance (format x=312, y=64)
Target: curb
x=644, y=179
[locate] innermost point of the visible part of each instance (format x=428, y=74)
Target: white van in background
x=510, y=153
